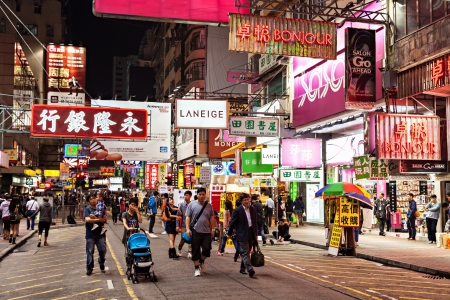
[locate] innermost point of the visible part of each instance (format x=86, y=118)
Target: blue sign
x=59, y=183
x=163, y=149
x=67, y=183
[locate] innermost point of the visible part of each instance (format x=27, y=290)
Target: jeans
x=431, y=225
x=114, y=217
x=33, y=219
x=55, y=212
x=261, y=233
x=72, y=210
x=90, y=247
x=356, y=231
x=411, y=223
x=152, y=223
x=276, y=235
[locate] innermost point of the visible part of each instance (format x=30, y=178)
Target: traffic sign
x=67, y=183
x=59, y=183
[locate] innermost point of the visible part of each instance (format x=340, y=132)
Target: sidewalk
x=393, y=249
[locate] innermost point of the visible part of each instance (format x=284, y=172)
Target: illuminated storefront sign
x=241, y=77
x=92, y=122
x=294, y=37
x=107, y=171
x=408, y=137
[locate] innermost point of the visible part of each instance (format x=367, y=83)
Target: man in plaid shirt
x=100, y=212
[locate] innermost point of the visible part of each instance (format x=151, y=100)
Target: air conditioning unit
x=188, y=76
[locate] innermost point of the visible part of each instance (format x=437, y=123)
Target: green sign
x=246, y=126
x=251, y=163
x=362, y=167
x=379, y=169
x=118, y=172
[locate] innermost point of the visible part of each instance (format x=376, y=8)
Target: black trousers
x=382, y=224
x=114, y=216
x=152, y=223
x=269, y=215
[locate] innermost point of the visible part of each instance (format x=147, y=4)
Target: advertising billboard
x=299, y=153
x=186, y=145
x=71, y=150
x=201, y=114
x=66, y=79
x=282, y=36
x=216, y=145
x=194, y=12
x=360, y=72
x=90, y=122
x=341, y=151
x=157, y=146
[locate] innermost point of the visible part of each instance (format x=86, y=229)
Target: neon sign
x=294, y=37
x=408, y=137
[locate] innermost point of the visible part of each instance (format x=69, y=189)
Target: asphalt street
x=291, y=272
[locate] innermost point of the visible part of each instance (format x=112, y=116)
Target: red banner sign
x=77, y=163
x=408, y=137
x=90, y=122
x=107, y=171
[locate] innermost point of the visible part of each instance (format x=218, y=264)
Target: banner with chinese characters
x=409, y=137
x=297, y=175
x=348, y=212
x=301, y=153
x=90, y=122
x=274, y=35
x=265, y=127
x=162, y=173
x=76, y=163
x=251, y=163
x=335, y=239
x=107, y=171
x=361, y=164
x=257, y=182
x=379, y=169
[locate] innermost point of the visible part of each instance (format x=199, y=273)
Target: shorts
x=203, y=241
x=298, y=212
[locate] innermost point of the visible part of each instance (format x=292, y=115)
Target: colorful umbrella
x=340, y=189
x=364, y=201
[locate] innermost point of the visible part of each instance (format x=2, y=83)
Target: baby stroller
x=139, y=257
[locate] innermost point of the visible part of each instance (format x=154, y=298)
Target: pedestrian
x=93, y=237
x=361, y=221
x=280, y=208
x=165, y=198
x=226, y=223
x=56, y=203
x=72, y=203
x=131, y=220
x=31, y=207
x=16, y=213
x=153, y=210
x=200, y=214
x=122, y=205
x=411, y=217
x=145, y=204
x=45, y=219
x=260, y=217
x=115, y=210
x=183, y=207
x=433, y=208
x=380, y=210
x=289, y=209
x=283, y=231
x=244, y=221
x=6, y=217
x=269, y=205
x=299, y=208
x=172, y=212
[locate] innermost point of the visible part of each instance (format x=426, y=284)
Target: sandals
x=45, y=244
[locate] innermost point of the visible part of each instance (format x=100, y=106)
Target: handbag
x=257, y=258
x=164, y=216
x=186, y=238
x=232, y=236
x=417, y=214
x=16, y=216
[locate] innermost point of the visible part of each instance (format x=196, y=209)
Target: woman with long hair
x=171, y=227
x=15, y=210
x=115, y=209
x=226, y=222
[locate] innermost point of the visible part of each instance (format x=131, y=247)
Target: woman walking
x=226, y=223
x=171, y=227
x=289, y=209
x=16, y=213
x=433, y=209
x=45, y=219
x=4, y=207
x=299, y=208
x=115, y=210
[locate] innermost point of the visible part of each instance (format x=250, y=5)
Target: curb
x=384, y=261
x=19, y=243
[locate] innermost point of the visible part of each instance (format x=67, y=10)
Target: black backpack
x=71, y=220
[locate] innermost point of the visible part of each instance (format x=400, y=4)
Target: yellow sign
x=12, y=154
x=223, y=198
x=180, y=179
x=38, y=171
x=197, y=171
x=349, y=212
x=162, y=173
x=29, y=172
x=51, y=173
x=335, y=239
x=229, y=246
x=42, y=186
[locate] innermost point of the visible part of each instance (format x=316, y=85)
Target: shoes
x=28, y=228
x=45, y=244
x=103, y=231
x=251, y=273
x=95, y=226
x=39, y=243
x=203, y=267
x=430, y=242
x=219, y=253
x=102, y=267
x=235, y=259
x=189, y=255
x=382, y=233
x=361, y=233
x=296, y=226
x=264, y=243
x=180, y=253
x=150, y=232
x=271, y=242
x=89, y=272
x=164, y=232
x=243, y=272
x=71, y=94
x=10, y=239
x=197, y=273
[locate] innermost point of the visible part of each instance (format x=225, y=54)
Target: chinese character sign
x=361, y=165
x=251, y=163
x=301, y=153
x=408, y=137
x=335, y=239
x=296, y=175
x=266, y=127
x=348, y=212
x=92, y=122
x=379, y=169
x=273, y=35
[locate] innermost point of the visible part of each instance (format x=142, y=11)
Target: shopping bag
x=445, y=241
x=448, y=241
x=439, y=239
x=294, y=219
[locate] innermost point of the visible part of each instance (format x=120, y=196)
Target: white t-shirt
x=32, y=205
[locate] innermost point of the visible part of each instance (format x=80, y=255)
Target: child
x=100, y=212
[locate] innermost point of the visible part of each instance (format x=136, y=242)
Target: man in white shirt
x=270, y=205
x=32, y=206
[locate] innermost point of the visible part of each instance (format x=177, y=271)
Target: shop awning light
x=339, y=121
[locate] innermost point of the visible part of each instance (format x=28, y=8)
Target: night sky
x=103, y=38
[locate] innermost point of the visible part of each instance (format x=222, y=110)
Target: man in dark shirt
x=283, y=232
x=260, y=217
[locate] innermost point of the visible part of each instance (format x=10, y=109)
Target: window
x=2, y=26
x=196, y=71
x=31, y=28
x=196, y=42
x=118, y=85
x=37, y=8
x=50, y=30
x=18, y=3
x=438, y=10
x=400, y=18
x=424, y=13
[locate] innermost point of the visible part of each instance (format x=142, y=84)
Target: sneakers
x=89, y=272
x=197, y=273
x=189, y=255
x=430, y=242
x=95, y=226
x=164, y=232
x=102, y=267
x=180, y=253
x=203, y=267
x=219, y=253
x=104, y=230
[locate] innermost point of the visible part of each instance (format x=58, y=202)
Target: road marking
x=28, y=275
x=408, y=298
x=327, y=281
x=49, y=266
x=151, y=234
x=110, y=284
x=406, y=291
x=119, y=268
x=386, y=296
x=422, y=287
x=91, y=291
x=32, y=279
x=94, y=281
x=40, y=293
x=29, y=287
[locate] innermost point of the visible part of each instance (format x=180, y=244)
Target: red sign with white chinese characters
x=151, y=176
x=90, y=122
x=408, y=137
x=77, y=163
x=107, y=171
x=273, y=35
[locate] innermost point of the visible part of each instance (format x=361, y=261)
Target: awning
x=231, y=151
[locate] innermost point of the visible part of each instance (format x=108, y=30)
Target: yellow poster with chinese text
x=197, y=171
x=223, y=198
x=349, y=212
x=180, y=179
x=335, y=240
x=162, y=173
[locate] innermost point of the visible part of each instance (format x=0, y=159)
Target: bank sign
x=282, y=36
x=408, y=137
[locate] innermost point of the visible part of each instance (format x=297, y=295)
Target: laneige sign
x=207, y=114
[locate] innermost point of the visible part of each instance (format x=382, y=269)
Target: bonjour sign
x=207, y=114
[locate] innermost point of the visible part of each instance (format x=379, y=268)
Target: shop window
x=411, y=16
x=29, y=29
